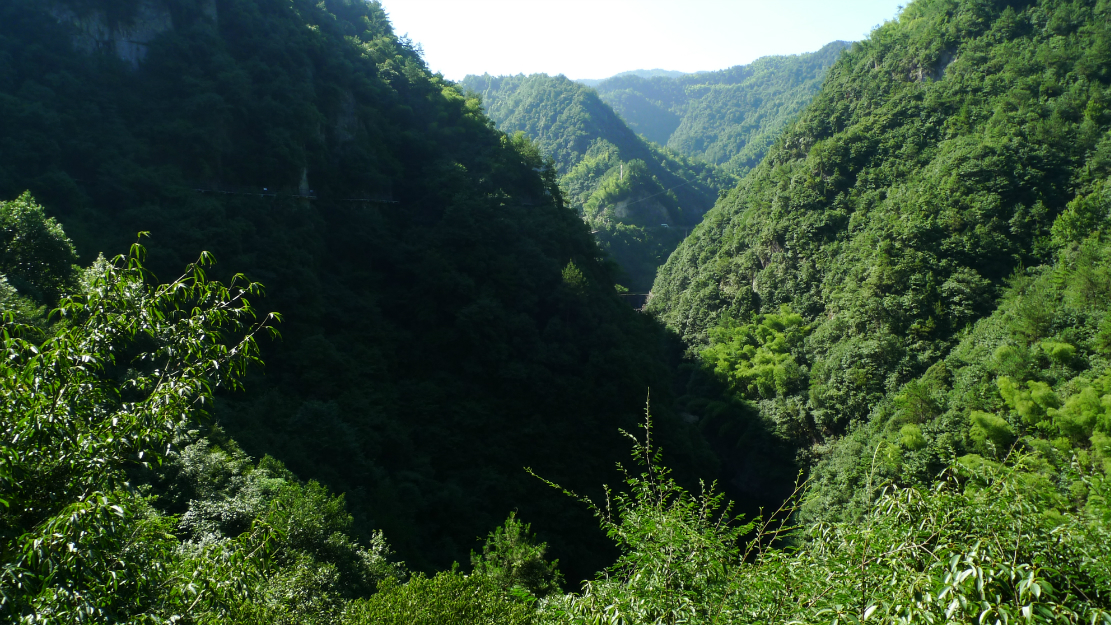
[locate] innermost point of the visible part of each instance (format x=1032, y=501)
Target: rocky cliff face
x=126, y=38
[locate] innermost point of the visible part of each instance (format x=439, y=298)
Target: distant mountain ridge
x=727, y=117
x=641, y=73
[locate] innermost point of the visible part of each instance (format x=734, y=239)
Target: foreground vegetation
x=122, y=502
x=117, y=510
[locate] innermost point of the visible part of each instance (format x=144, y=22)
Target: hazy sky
x=599, y=38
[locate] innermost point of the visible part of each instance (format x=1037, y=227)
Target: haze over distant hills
x=641, y=73
x=728, y=117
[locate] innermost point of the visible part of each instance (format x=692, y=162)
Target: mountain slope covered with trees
x=727, y=117
x=447, y=320
x=922, y=254
x=638, y=198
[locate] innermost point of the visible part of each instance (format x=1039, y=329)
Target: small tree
x=111, y=386
x=35, y=254
x=514, y=559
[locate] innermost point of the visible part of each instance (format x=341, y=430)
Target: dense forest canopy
x=432, y=342
x=727, y=117
x=638, y=198
x=951, y=163
x=908, y=298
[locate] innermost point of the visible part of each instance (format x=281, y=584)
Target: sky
x=600, y=38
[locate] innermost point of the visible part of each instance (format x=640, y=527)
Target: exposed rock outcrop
x=129, y=38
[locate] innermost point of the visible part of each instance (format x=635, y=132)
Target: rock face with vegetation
x=910, y=291
x=638, y=198
x=728, y=117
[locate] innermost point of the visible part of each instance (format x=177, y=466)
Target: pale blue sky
x=599, y=38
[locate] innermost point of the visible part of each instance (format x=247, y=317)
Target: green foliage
x=911, y=437
x=1083, y=214
x=930, y=167
x=512, y=557
x=573, y=279
x=1031, y=404
x=447, y=597
x=977, y=547
x=912, y=288
x=21, y=308
x=990, y=433
x=1084, y=411
x=38, y=258
x=110, y=389
x=1031, y=378
x=677, y=549
x=429, y=350
x=756, y=359
x=729, y=117
x=116, y=510
x=312, y=566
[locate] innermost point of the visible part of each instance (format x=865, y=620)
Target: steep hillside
x=447, y=320
x=638, y=198
x=728, y=117
x=960, y=149
x=911, y=290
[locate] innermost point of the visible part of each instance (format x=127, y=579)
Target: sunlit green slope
x=947, y=154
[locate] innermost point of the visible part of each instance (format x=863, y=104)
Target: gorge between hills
x=300, y=331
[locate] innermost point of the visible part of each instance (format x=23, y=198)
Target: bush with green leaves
x=514, y=558
x=978, y=546
x=108, y=388
x=37, y=258
x=37, y=263
x=756, y=359
x=115, y=508
x=446, y=597
x=677, y=549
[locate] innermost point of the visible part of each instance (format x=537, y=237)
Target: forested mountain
x=729, y=117
x=923, y=254
x=446, y=318
x=910, y=293
x=638, y=198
